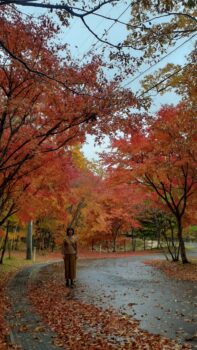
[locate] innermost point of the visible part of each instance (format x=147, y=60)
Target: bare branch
x=64, y=7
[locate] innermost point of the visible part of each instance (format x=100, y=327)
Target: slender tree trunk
x=163, y=249
x=10, y=247
x=114, y=238
x=4, y=244
x=107, y=243
x=158, y=239
x=133, y=241
x=114, y=245
x=178, y=252
x=92, y=245
x=144, y=239
x=181, y=242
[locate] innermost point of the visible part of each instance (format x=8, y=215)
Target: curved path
x=162, y=305
x=27, y=328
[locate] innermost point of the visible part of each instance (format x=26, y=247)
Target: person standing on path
x=70, y=256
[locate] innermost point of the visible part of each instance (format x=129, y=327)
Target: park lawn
x=177, y=270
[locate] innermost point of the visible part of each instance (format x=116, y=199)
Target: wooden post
x=29, y=240
x=34, y=254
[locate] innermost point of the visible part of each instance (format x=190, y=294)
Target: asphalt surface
x=27, y=329
x=162, y=305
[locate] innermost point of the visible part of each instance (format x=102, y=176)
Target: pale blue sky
x=81, y=41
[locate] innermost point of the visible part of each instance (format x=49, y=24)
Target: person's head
x=70, y=231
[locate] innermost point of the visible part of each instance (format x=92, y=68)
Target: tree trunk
x=92, y=245
x=107, y=244
x=4, y=244
x=10, y=247
x=133, y=241
x=114, y=245
x=158, y=239
x=114, y=238
x=181, y=242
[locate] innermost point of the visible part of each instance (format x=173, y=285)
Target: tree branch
x=69, y=9
x=41, y=74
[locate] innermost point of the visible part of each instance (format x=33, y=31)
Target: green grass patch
x=17, y=261
x=190, y=247
x=13, y=264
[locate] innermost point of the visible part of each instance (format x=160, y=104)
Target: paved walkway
x=163, y=305
x=27, y=329
x=126, y=284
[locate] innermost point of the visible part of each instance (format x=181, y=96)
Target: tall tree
x=39, y=115
x=163, y=159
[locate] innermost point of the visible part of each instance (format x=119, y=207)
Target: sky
x=81, y=41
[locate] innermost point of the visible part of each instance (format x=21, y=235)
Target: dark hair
x=68, y=229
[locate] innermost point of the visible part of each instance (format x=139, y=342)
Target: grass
x=13, y=264
x=190, y=248
x=18, y=261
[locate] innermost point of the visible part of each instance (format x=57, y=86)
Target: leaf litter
x=82, y=326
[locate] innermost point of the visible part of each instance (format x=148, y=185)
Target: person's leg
x=72, y=268
x=66, y=269
x=67, y=282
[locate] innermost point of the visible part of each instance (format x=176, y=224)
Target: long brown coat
x=69, y=251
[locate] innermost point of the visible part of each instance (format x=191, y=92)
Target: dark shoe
x=72, y=284
x=67, y=283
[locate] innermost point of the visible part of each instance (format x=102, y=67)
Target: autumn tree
x=160, y=226
x=62, y=14
x=86, y=211
x=156, y=25
x=174, y=78
x=40, y=115
x=162, y=158
x=157, y=29
x=152, y=28
x=45, y=197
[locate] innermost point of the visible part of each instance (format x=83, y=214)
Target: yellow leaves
x=79, y=159
x=39, y=329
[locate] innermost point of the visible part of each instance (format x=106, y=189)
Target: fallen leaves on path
x=185, y=272
x=82, y=326
x=4, y=305
x=87, y=254
x=7, y=271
